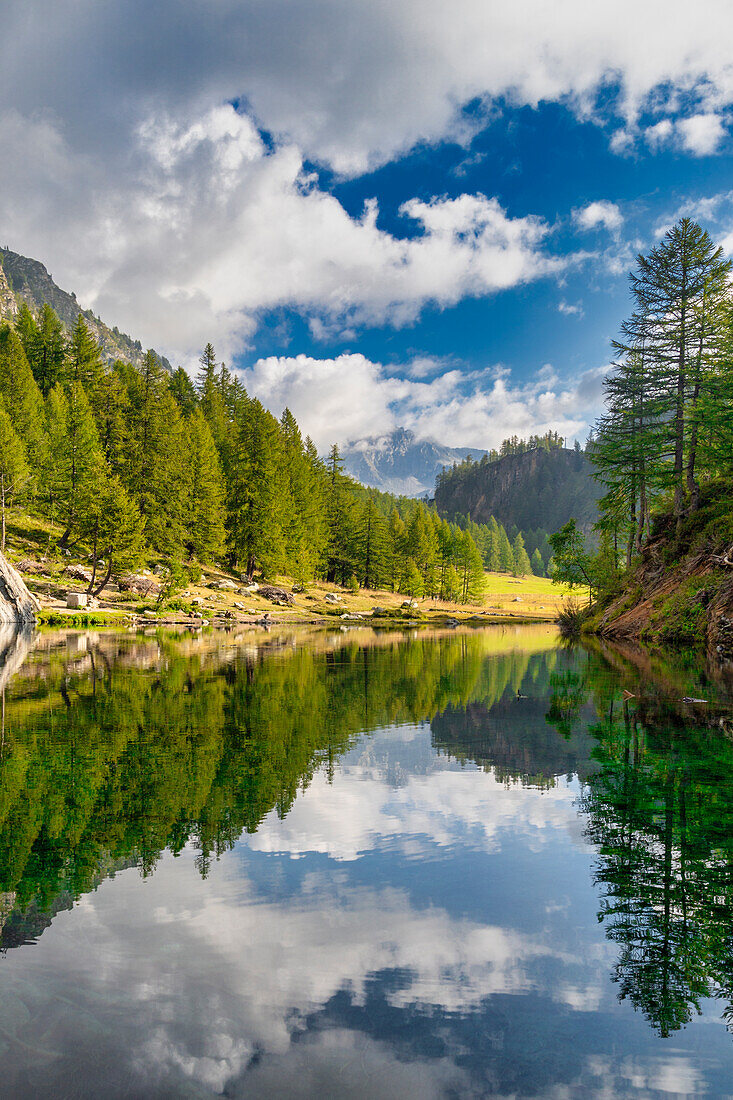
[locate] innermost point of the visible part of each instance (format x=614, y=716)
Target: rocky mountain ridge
x=23, y=279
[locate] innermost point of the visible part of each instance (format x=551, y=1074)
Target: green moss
x=683, y=617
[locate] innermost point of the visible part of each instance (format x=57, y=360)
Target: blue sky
x=382, y=214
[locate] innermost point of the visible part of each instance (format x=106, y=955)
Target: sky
x=383, y=212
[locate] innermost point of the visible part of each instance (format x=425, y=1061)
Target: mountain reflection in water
x=367, y=865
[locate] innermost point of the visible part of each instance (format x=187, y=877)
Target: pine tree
x=20, y=394
x=206, y=509
x=257, y=504
x=372, y=544
x=506, y=556
x=396, y=550
x=84, y=362
x=183, y=391
x=114, y=528
x=412, y=584
x=82, y=463
x=521, y=560
x=470, y=568
x=44, y=345
x=680, y=290
x=340, y=508
x=14, y=470
x=538, y=567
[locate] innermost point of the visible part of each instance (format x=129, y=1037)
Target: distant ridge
x=538, y=488
x=23, y=279
x=397, y=462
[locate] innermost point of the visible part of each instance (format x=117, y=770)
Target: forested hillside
x=529, y=484
x=137, y=463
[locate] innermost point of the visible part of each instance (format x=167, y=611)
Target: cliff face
x=538, y=488
x=8, y=304
x=23, y=279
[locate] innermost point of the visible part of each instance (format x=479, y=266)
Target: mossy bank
x=680, y=592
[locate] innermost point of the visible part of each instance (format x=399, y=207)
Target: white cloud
x=660, y=133
x=124, y=169
x=354, y=85
x=570, y=309
x=348, y=397
x=600, y=213
x=211, y=227
x=701, y=134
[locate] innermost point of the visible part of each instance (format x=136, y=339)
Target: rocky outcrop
x=8, y=304
x=17, y=606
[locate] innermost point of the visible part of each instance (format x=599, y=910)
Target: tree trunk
x=108, y=574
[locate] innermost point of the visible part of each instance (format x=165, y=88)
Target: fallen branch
x=724, y=559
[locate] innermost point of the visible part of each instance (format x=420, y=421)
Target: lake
x=364, y=865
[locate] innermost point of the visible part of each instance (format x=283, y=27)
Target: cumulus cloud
x=128, y=170
x=349, y=396
x=600, y=213
x=701, y=134
x=212, y=227
x=698, y=134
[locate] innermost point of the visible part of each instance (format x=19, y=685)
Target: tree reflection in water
x=115, y=748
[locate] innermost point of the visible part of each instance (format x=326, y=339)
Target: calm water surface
x=364, y=866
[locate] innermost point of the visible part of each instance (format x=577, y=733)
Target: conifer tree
x=44, y=345
x=396, y=550
x=372, y=538
x=257, y=502
x=81, y=465
x=537, y=564
x=506, y=556
x=469, y=567
x=20, y=394
x=521, y=560
x=206, y=508
x=304, y=527
x=183, y=391
x=84, y=361
x=680, y=290
x=113, y=526
x=340, y=507
x=14, y=470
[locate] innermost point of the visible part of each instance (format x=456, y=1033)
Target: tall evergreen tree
x=14, y=470
x=206, y=508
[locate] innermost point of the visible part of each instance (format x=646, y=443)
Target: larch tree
x=15, y=474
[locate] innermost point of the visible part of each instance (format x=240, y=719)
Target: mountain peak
x=399, y=462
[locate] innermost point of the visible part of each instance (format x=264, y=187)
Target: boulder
x=277, y=595
x=17, y=606
x=76, y=599
x=331, y=597
x=78, y=573
x=517, y=599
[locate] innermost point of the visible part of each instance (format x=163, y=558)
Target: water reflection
x=362, y=865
